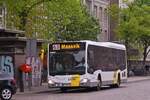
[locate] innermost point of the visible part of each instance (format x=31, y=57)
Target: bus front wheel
x=63, y=89
x=98, y=87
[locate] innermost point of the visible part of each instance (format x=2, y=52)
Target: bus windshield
x=67, y=62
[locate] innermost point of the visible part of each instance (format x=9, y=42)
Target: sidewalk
x=38, y=89
x=138, y=78
x=44, y=86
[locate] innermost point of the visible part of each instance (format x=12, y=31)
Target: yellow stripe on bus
x=115, y=77
x=75, y=80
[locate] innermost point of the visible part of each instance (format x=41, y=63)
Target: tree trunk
x=144, y=59
x=23, y=17
x=145, y=53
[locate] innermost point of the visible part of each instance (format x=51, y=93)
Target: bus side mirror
x=90, y=70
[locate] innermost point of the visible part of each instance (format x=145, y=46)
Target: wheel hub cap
x=6, y=93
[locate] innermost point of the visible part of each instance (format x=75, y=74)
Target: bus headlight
x=85, y=80
x=50, y=82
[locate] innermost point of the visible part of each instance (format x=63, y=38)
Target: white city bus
x=86, y=64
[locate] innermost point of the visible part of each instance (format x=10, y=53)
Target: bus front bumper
x=59, y=85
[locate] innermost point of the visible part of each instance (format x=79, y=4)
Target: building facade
x=99, y=9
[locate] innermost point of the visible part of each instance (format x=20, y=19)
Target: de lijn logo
x=6, y=64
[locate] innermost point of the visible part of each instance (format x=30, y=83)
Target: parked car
x=7, y=88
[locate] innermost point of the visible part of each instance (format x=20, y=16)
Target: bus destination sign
x=70, y=46
x=66, y=46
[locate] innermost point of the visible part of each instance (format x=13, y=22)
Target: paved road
x=129, y=91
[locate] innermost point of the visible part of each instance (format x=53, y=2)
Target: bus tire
x=98, y=87
x=117, y=85
x=118, y=81
x=63, y=89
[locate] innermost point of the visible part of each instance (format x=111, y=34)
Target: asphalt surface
x=137, y=88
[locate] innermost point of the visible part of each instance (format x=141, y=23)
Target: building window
x=1, y=11
x=88, y=4
x=19, y=50
x=95, y=11
x=7, y=49
x=105, y=17
x=100, y=15
x=1, y=21
x=105, y=14
x=106, y=35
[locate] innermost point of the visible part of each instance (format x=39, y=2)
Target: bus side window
x=90, y=60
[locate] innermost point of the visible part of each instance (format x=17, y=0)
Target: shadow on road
x=79, y=90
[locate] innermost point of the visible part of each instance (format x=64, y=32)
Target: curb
x=35, y=90
x=138, y=79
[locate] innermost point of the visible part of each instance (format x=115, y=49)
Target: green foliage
x=113, y=11
x=70, y=21
x=52, y=19
x=142, y=2
x=134, y=26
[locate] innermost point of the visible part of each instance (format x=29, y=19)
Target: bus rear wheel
x=118, y=82
x=117, y=85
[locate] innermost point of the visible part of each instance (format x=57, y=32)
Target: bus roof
x=103, y=44
x=107, y=44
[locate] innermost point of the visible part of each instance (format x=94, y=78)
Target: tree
x=143, y=34
x=70, y=21
x=52, y=19
x=134, y=26
x=20, y=14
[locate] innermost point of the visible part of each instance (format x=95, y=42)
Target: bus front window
x=67, y=62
